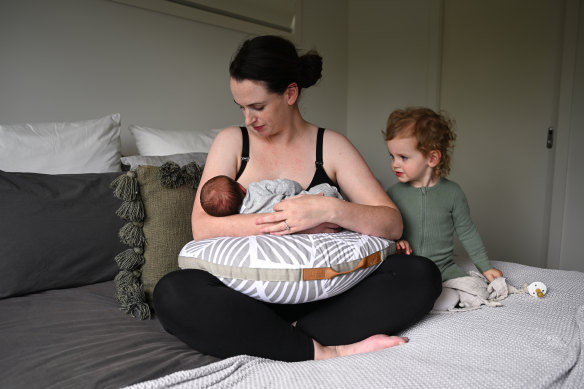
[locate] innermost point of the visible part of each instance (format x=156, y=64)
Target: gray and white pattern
x=272, y=268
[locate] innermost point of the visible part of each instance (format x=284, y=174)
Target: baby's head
x=222, y=196
x=433, y=131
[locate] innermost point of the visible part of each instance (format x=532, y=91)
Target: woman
x=267, y=77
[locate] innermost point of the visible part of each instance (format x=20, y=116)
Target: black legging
x=214, y=319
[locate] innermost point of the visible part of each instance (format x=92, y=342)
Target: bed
x=63, y=323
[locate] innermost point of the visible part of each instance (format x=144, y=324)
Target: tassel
x=140, y=310
x=125, y=277
x=114, y=184
x=192, y=174
x=124, y=281
x=130, y=294
x=171, y=175
x=126, y=186
x=132, y=210
x=132, y=235
x=130, y=259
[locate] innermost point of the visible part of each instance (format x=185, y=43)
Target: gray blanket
x=261, y=196
x=527, y=342
x=472, y=292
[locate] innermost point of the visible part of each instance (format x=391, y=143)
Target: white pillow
x=152, y=141
x=133, y=161
x=289, y=269
x=91, y=146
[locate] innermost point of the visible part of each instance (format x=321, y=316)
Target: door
x=500, y=83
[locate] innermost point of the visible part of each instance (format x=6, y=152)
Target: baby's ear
x=434, y=158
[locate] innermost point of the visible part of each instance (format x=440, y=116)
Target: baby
x=223, y=196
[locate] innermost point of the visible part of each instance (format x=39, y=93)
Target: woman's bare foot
x=370, y=344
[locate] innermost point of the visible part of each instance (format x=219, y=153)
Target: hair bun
x=310, y=69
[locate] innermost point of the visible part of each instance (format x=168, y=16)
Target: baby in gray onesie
x=222, y=195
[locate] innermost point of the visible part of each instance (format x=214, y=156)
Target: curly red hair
x=433, y=131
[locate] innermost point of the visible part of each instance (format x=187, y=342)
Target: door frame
x=567, y=74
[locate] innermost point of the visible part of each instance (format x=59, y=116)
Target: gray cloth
x=527, y=343
x=263, y=195
x=473, y=292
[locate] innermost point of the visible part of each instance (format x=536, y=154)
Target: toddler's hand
x=402, y=247
x=492, y=274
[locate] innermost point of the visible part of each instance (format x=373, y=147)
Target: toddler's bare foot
x=370, y=344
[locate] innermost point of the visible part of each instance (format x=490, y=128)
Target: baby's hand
x=492, y=274
x=402, y=247
x=324, y=227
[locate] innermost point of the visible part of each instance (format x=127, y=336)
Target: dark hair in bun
x=275, y=61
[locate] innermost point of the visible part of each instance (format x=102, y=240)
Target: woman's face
x=264, y=112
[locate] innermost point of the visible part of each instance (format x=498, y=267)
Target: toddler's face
x=408, y=163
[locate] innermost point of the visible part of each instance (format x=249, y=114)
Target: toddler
x=419, y=141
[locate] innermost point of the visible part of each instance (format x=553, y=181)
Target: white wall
x=324, y=28
x=68, y=60
x=393, y=63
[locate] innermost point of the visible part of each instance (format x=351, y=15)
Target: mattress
x=80, y=338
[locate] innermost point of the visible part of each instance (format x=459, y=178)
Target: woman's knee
x=180, y=287
x=416, y=270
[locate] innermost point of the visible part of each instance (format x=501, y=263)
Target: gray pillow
x=133, y=161
x=56, y=231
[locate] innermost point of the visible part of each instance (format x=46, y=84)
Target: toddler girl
x=419, y=141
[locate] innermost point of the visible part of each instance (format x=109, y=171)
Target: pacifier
x=537, y=289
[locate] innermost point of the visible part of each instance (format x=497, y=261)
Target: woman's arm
x=221, y=160
x=369, y=210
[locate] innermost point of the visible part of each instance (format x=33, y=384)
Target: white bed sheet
x=526, y=343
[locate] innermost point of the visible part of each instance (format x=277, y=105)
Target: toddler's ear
x=434, y=158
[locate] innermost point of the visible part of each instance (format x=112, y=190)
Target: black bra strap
x=244, y=151
x=319, y=139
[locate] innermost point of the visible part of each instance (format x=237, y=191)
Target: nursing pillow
x=289, y=269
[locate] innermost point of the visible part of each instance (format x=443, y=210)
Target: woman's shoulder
x=333, y=135
x=226, y=143
x=228, y=136
x=337, y=142
x=230, y=131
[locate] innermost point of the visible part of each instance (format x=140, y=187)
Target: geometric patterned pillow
x=289, y=269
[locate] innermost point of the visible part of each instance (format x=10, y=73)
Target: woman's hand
x=305, y=213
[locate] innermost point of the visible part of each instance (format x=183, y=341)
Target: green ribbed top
x=431, y=215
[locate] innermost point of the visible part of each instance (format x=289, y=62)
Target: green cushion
x=158, y=202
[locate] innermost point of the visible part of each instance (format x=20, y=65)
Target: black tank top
x=320, y=176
